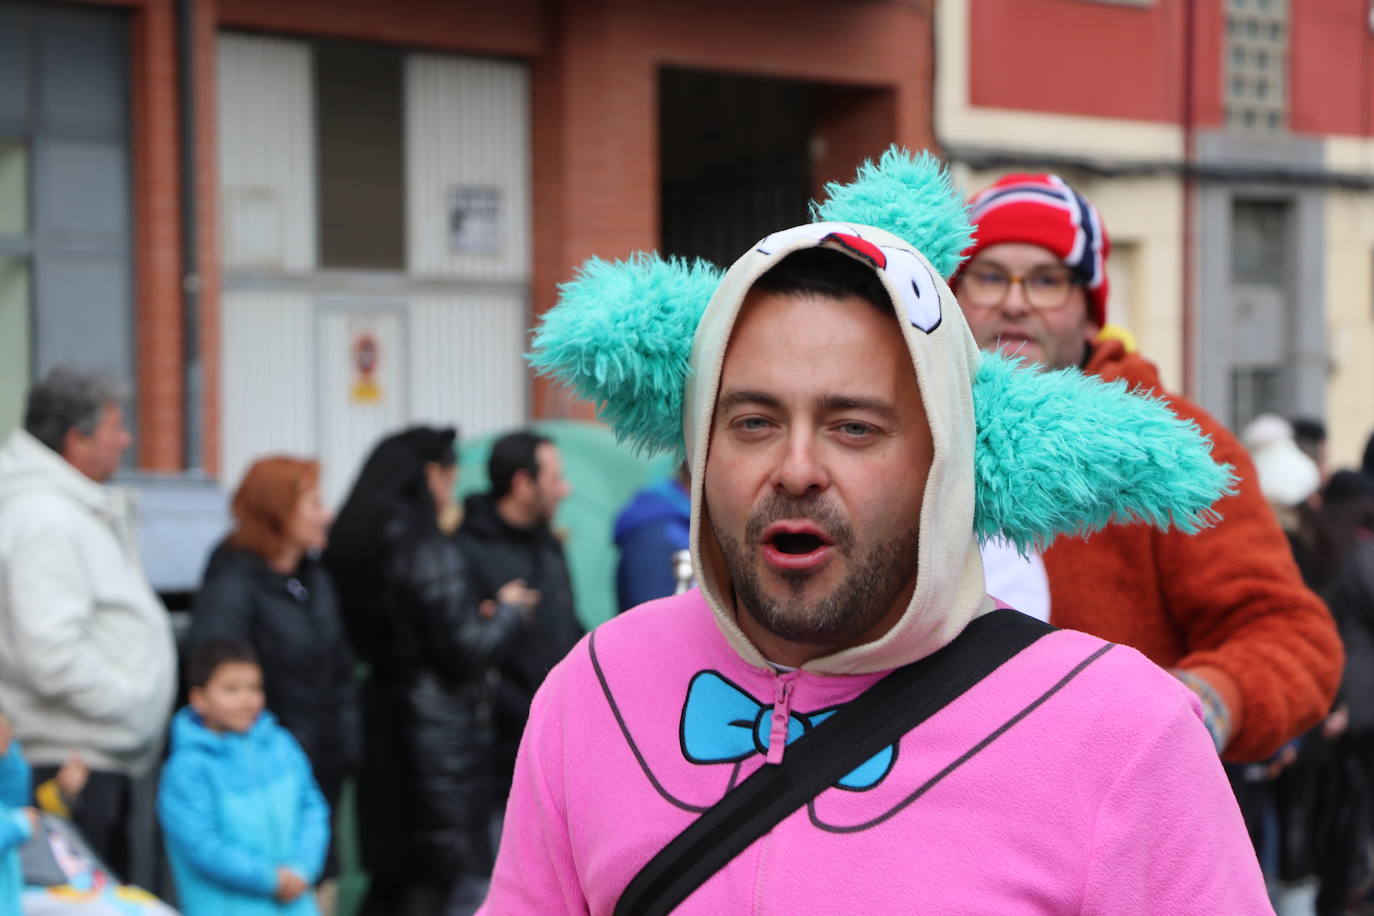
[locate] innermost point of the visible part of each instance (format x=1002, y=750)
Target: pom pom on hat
x=1287, y=477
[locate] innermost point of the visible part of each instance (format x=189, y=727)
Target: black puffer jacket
x=498, y=553
x=1350, y=595
x=293, y=624
x=425, y=794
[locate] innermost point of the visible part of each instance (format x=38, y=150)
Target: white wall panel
x=467, y=134
x=358, y=408
x=266, y=153
x=267, y=380
x=465, y=366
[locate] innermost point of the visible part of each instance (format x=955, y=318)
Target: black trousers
x=388, y=897
x=102, y=815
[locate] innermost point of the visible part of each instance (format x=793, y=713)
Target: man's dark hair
x=207, y=656
x=66, y=399
x=824, y=272
x=511, y=453
x=1309, y=434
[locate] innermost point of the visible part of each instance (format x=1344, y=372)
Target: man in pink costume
x=829, y=423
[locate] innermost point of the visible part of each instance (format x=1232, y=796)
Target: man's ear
x=72, y=442
x=196, y=698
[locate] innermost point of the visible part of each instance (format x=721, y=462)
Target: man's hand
x=289, y=884
x=1285, y=758
x=71, y=778
x=521, y=597
x=516, y=593
x=34, y=821
x=1335, y=724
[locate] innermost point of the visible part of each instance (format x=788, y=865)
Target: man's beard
x=876, y=578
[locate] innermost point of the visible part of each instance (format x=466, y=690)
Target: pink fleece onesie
x=1077, y=778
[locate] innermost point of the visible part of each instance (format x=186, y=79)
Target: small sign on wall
x=366, y=352
x=474, y=220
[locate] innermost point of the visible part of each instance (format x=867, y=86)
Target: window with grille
x=1256, y=88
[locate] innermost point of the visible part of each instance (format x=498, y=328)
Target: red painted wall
x=1095, y=59
x=1331, y=69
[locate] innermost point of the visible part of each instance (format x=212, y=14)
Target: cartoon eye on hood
x=916, y=287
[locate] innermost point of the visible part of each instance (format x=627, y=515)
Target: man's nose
x=801, y=470
x=1015, y=302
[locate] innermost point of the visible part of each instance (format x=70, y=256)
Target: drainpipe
x=1188, y=172
x=192, y=441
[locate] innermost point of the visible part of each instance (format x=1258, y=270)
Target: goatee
x=876, y=576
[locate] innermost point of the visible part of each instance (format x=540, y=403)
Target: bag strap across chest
x=877, y=718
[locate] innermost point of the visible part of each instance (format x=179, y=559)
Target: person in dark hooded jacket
x=425, y=792
x=264, y=585
x=507, y=536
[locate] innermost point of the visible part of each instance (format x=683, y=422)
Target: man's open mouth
x=795, y=545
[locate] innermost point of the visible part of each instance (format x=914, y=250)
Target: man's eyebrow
x=998, y=265
x=739, y=396
x=840, y=402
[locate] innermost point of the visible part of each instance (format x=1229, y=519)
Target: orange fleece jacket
x=1227, y=603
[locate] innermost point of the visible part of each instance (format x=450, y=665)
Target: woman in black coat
x=265, y=586
x=424, y=794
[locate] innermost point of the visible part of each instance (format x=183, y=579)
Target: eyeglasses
x=1044, y=288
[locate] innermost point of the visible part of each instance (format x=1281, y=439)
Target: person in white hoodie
x=87, y=656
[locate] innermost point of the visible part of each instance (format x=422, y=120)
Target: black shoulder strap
x=820, y=758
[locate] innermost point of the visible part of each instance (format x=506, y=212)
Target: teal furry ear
x=910, y=196
x=1066, y=453
x=620, y=337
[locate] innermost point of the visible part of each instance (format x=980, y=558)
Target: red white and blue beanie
x=1043, y=210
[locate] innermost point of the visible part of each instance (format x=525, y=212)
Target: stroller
x=63, y=877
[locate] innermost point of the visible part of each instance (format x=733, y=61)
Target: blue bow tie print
x=723, y=724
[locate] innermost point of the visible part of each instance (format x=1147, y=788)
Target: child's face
x=232, y=699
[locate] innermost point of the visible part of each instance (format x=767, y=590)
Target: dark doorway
x=735, y=157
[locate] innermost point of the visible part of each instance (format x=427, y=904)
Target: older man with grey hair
x=87, y=657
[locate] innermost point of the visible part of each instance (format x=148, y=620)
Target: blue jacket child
x=246, y=826
x=15, y=826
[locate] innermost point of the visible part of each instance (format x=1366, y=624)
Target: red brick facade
x=594, y=66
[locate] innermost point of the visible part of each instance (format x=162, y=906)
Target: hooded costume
x=1076, y=778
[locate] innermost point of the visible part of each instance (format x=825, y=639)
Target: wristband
x=1215, y=713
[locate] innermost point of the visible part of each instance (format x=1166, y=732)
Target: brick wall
x=157, y=236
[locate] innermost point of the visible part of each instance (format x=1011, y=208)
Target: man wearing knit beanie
x=1226, y=611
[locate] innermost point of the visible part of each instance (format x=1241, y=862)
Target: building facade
x=1230, y=147
x=295, y=225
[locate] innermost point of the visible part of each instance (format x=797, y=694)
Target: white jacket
x=87, y=657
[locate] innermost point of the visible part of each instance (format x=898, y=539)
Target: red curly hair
x=266, y=500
